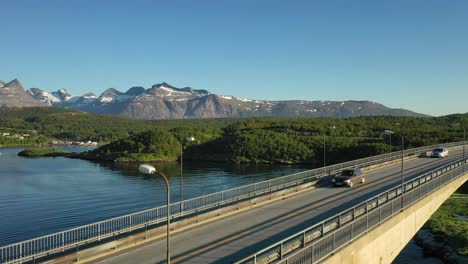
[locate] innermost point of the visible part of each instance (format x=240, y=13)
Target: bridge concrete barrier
x=383, y=243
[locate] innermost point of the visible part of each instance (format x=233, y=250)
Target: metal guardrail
x=316, y=243
x=73, y=238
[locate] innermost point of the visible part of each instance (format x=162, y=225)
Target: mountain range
x=164, y=101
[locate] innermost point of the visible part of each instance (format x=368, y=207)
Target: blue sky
x=409, y=54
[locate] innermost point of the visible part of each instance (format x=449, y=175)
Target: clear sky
x=409, y=54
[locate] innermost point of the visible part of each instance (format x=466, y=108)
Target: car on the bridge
x=440, y=152
x=349, y=177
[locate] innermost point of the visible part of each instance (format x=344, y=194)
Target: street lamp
x=147, y=169
x=187, y=139
x=389, y=132
x=456, y=125
x=324, y=151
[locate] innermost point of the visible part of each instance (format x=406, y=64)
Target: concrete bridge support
x=383, y=243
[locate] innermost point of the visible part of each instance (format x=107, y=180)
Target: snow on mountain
x=62, y=94
x=89, y=95
x=167, y=92
x=43, y=96
x=164, y=101
x=113, y=95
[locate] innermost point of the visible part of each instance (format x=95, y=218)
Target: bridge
x=298, y=218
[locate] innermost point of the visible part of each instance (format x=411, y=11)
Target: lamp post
x=324, y=149
x=187, y=139
x=456, y=125
x=389, y=132
x=147, y=169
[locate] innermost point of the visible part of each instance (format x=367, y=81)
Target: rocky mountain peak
x=110, y=92
x=15, y=85
x=12, y=94
x=62, y=94
x=134, y=91
x=35, y=91
x=43, y=96
x=164, y=101
x=163, y=84
x=170, y=92
x=89, y=95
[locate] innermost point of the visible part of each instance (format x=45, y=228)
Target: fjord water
x=39, y=196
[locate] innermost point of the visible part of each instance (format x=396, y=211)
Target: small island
x=43, y=152
x=150, y=146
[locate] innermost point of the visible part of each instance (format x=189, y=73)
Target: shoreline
x=434, y=245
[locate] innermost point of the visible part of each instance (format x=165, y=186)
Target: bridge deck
x=235, y=237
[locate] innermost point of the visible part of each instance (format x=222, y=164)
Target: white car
x=440, y=153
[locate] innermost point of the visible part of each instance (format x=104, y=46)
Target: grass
x=42, y=152
x=444, y=222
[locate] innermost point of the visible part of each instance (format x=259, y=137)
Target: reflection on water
x=39, y=196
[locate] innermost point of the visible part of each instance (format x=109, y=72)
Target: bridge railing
x=95, y=232
x=321, y=240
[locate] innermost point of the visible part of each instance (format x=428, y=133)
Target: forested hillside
x=265, y=140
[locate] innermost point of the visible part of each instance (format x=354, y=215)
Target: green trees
x=152, y=145
x=267, y=146
x=271, y=139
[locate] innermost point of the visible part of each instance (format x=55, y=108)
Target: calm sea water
x=39, y=196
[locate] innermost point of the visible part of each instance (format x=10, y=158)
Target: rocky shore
x=438, y=246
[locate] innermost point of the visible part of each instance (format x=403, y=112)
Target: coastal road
x=235, y=237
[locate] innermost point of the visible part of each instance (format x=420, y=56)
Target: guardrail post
x=77, y=255
x=334, y=241
x=367, y=217
x=281, y=251
x=323, y=229
x=303, y=240
x=380, y=214
x=419, y=188
x=146, y=231
x=63, y=241
x=392, y=208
